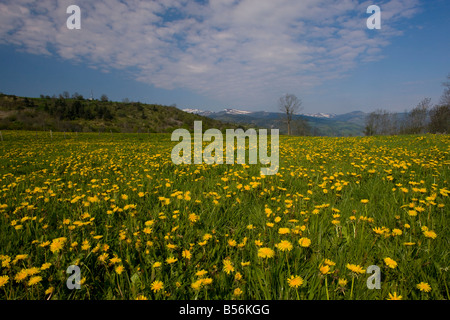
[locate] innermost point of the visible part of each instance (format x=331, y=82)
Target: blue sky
x=221, y=54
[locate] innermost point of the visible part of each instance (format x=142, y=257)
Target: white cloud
x=239, y=52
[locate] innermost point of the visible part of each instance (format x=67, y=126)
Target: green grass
x=41, y=179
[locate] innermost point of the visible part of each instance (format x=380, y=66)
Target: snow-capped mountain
x=320, y=123
x=236, y=111
x=231, y=111
x=225, y=111
x=196, y=111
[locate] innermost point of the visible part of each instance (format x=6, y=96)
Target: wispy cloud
x=237, y=52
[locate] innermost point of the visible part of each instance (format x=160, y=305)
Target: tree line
x=66, y=107
x=424, y=118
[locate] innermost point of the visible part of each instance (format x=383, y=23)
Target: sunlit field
x=140, y=227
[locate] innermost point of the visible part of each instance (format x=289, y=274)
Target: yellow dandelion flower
x=342, y=282
x=242, y=244
x=424, y=287
x=201, y=273
x=5, y=263
x=378, y=230
x=21, y=275
x=284, y=245
x=171, y=246
x=157, y=286
x=232, y=243
x=196, y=285
x=412, y=213
x=237, y=292
x=3, y=280
x=32, y=271
x=295, y=281
x=228, y=266
x=103, y=257
x=171, y=260
x=149, y=223
x=141, y=297
x=430, y=234
x=34, y=280
x=20, y=257
x=186, y=254
x=390, y=263
x=193, y=218
x=207, y=236
x=50, y=290
x=329, y=262
x=57, y=244
x=304, y=242
x=325, y=269
x=119, y=269
x=85, y=245
x=394, y=296
x=115, y=260
x=265, y=252
x=355, y=268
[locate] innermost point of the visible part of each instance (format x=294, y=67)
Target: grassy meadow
x=140, y=227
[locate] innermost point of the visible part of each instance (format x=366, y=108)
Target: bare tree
x=445, y=98
x=371, y=124
x=440, y=119
x=416, y=121
x=104, y=98
x=289, y=104
x=381, y=122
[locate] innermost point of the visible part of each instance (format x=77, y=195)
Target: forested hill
x=85, y=115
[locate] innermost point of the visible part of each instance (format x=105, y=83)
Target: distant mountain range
x=318, y=124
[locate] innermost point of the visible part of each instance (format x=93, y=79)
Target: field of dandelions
x=140, y=227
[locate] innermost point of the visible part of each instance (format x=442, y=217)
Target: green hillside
x=82, y=115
